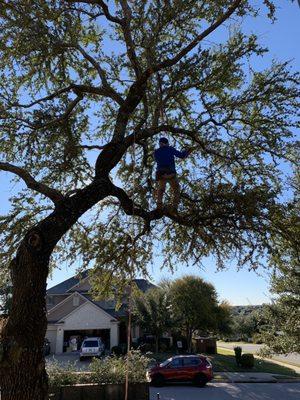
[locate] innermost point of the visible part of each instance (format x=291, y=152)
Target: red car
x=194, y=368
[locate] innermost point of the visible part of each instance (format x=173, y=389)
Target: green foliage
x=152, y=312
x=238, y=354
x=247, y=360
x=282, y=333
x=64, y=71
x=113, y=369
x=224, y=319
x=195, y=307
x=5, y=292
x=249, y=322
x=61, y=375
x=107, y=370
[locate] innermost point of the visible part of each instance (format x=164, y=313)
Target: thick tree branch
x=31, y=183
x=190, y=220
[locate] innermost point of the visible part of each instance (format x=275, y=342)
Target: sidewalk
x=251, y=377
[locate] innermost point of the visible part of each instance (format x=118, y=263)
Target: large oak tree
x=86, y=88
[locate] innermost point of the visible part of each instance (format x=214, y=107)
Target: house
x=72, y=313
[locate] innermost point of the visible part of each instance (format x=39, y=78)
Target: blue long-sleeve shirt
x=165, y=158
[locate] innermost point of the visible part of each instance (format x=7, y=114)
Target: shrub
x=146, y=347
x=116, y=350
x=113, y=369
x=238, y=354
x=257, y=338
x=60, y=375
x=247, y=360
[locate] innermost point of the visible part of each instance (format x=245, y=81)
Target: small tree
x=282, y=332
x=152, y=313
x=224, y=318
x=194, y=305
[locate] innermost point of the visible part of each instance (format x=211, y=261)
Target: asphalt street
x=229, y=391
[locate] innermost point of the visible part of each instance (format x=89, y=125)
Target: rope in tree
x=132, y=258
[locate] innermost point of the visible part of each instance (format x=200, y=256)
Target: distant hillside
x=245, y=310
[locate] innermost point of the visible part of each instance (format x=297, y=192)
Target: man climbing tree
x=166, y=172
x=82, y=89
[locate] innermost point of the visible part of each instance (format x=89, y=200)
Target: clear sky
x=238, y=287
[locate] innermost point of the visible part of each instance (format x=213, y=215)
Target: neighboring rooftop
x=65, y=286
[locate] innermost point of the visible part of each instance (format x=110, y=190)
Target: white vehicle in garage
x=91, y=347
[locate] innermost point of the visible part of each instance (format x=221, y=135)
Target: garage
x=86, y=320
x=74, y=338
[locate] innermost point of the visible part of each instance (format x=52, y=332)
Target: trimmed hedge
x=247, y=360
x=238, y=355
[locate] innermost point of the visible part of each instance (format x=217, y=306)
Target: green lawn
x=224, y=361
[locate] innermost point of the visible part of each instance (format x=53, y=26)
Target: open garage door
x=80, y=335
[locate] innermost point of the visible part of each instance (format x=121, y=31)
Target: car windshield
x=90, y=343
x=165, y=363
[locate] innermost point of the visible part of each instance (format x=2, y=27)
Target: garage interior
x=80, y=335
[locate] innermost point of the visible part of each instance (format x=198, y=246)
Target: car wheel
x=81, y=358
x=200, y=380
x=158, y=380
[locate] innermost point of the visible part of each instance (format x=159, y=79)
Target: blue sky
x=238, y=287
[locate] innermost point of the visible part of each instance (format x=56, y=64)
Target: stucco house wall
x=87, y=316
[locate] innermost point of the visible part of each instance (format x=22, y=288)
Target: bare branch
x=63, y=117
x=110, y=91
x=103, y=6
x=128, y=37
x=31, y=183
x=172, y=61
x=92, y=147
x=46, y=98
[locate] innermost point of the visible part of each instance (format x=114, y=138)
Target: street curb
x=242, y=381
x=256, y=381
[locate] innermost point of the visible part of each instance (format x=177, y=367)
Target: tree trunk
x=156, y=343
x=189, y=340
x=22, y=364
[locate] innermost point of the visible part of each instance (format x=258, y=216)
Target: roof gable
x=76, y=283
x=87, y=314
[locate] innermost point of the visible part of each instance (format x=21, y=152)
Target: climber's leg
x=176, y=192
x=160, y=190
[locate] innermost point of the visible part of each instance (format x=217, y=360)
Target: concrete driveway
x=293, y=358
x=67, y=358
x=229, y=391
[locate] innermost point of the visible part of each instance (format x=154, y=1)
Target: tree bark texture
x=22, y=364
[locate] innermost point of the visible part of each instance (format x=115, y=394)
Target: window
x=90, y=343
x=75, y=300
x=191, y=361
x=50, y=300
x=176, y=362
x=165, y=363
